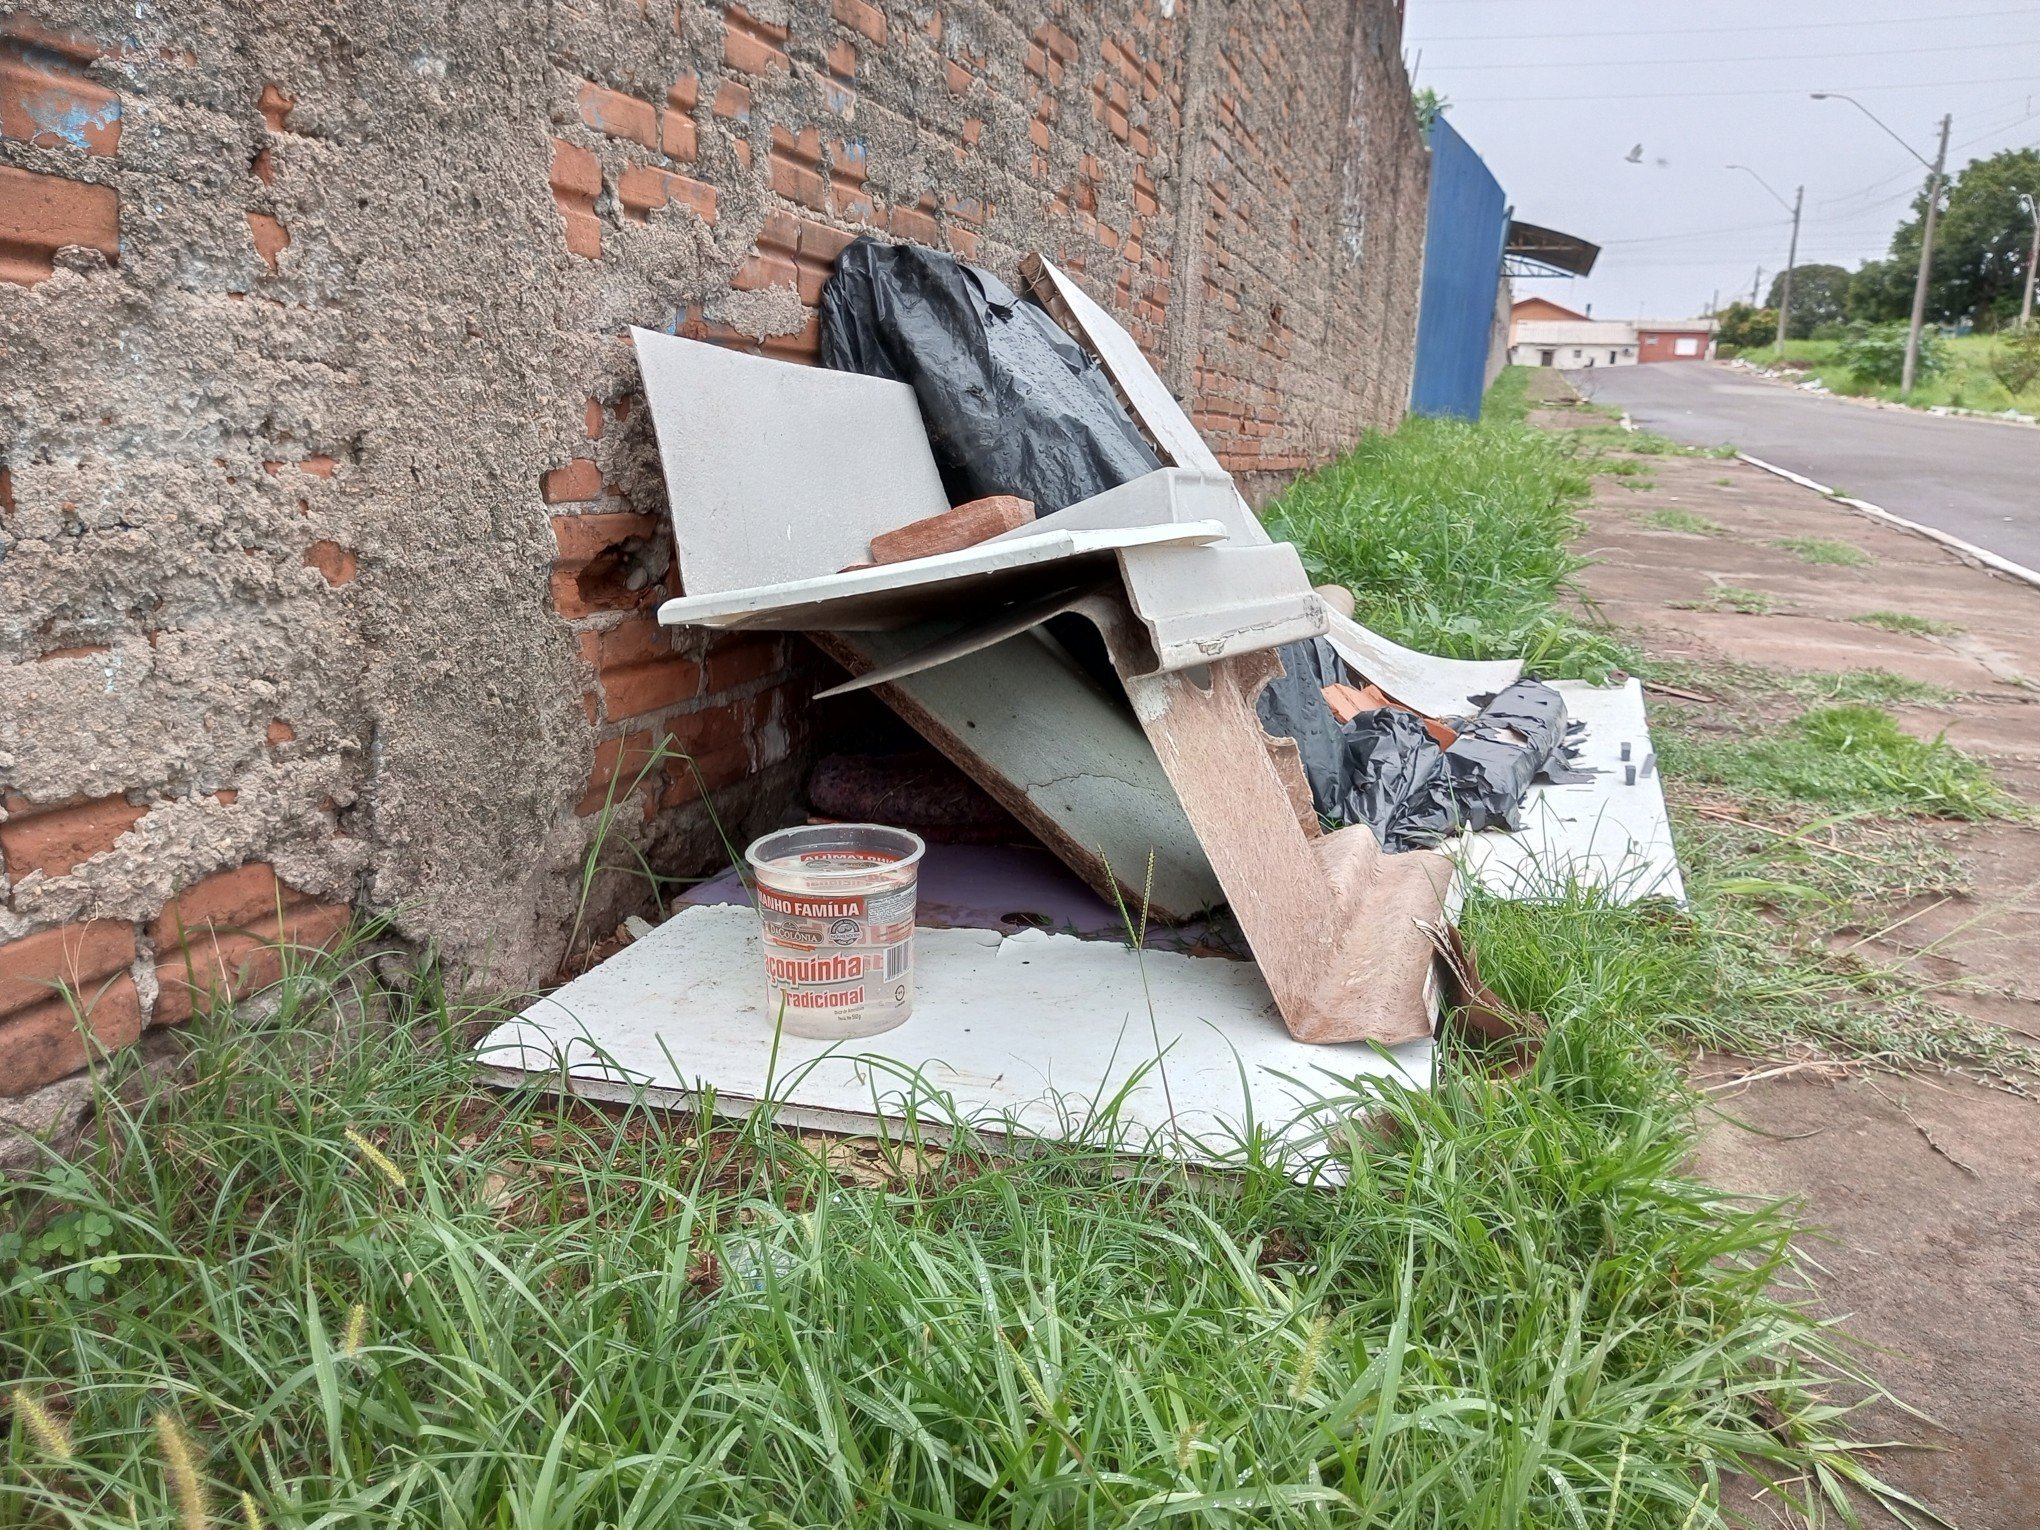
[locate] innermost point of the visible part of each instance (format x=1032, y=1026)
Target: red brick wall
x=331, y=525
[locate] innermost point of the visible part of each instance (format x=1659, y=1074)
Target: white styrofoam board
x=1026, y=1034
x=777, y=471
x=1604, y=832
x=891, y=594
x=1435, y=686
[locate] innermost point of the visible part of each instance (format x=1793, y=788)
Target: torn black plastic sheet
x=1385, y=770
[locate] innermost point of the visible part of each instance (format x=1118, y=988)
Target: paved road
x=1976, y=479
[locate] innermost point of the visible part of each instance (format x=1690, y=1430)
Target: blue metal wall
x=1469, y=223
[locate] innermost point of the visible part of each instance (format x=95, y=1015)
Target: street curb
x=1968, y=552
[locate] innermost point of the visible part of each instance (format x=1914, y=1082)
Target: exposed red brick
x=6, y=491
x=739, y=662
x=280, y=732
x=679, y=139
x=56, y=837
x=76, y=651
x=576, y=182
x=599, y=555
x=796, y=168
x=685, y=94
x=336, y=563
x=860, y=16
x=44, y=1043
x=226, y=796
x=637, y=669
x=591, y=419
x=732, y=101
x=222, y=937
x=842, y=59
x=749, y=45
x=41, y=214
x=643, y=190
x=619, y=115
x=617, y=765
x=226, y=901
x=48, y=99
x=270, y=237
x=275, y=107
x=73, y=954
x=579, y=480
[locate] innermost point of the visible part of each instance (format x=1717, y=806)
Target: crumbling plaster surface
x=414, y=737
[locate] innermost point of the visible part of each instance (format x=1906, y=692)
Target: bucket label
x=838, y=960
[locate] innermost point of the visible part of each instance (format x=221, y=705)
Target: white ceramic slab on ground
x=1036, y=1030
x=1606, y=832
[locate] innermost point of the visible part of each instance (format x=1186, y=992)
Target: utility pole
x=1919, y=309
x=1791, y=260
x=1756, y=282
x=2032, y=261
x=1936, y=173
x=1792, y=256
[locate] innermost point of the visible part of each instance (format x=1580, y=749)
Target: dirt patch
x=1928, y=1188
x=1925, y=1190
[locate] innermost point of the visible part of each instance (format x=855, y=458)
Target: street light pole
x=1935, y=174
x=1792, y=256
x=2032, y=261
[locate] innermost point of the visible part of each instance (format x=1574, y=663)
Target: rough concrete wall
x=330, y=528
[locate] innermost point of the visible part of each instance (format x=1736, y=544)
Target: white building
x=1572, y=343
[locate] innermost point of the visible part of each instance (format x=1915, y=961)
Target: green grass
x=1671, y=518
x=369, y=1297
x=1824, y=550
x=1456, y=539
x=1508, y=401
x=1905, y=621
x=1967, y=383
x=1850, y=756
x=1732, y=597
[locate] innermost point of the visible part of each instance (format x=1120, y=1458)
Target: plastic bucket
x=836, y=906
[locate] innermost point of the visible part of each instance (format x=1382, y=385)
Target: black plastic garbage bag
x=1394, y=777
x=1012, y=404
x=1293, y=705
x=1397, y=780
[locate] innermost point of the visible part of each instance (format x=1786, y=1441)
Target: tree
x=1881, y=292
x=1744, y=328
x=1980, y=244
x=1820, y=295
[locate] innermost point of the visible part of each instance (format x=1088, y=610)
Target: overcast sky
x=1555, y=96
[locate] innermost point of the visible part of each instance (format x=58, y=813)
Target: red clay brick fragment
x=41, y=214
x=55, y=838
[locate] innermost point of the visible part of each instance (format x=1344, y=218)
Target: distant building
x=1674, y=339
x=1546, y=334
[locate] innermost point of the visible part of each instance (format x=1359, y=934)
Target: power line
x=1783, y=90
x=1752, y=58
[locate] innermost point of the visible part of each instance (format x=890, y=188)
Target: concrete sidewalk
x=1929, y=1186
x=1977, y=479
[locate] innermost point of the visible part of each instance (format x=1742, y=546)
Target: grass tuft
x=1671, y=518
x=1455, y=539
x=1824, y=550
x=1905, y=621
x=1849, y=756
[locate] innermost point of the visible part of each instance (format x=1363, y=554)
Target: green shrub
x=2015, y=359
x=1874, y=354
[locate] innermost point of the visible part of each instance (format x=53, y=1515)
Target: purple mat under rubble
x=1010, y=888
